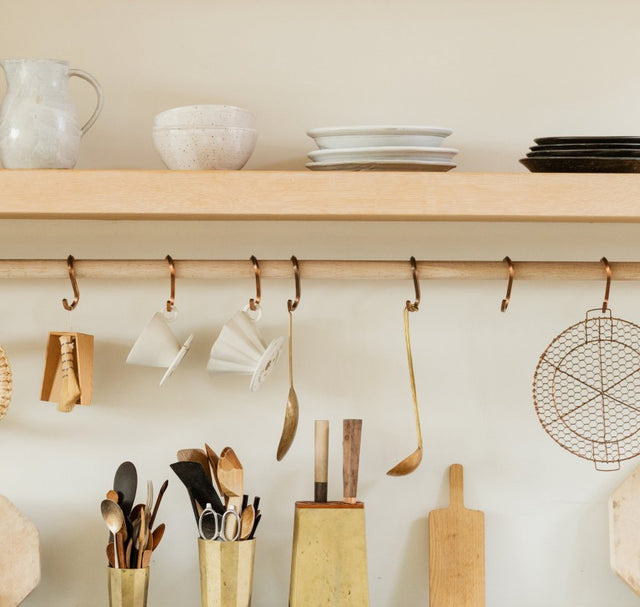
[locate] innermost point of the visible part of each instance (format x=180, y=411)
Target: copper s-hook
x=292, y=305
x=171, y=301
x=253, y=303
x=607, y=268
x=413, y=307
x=74, y=285
x=505, y=302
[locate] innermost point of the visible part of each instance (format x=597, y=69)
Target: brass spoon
x=291, y=411
x=113, y=517
x=411, y=462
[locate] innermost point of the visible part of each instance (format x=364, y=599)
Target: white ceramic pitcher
x=38, y=121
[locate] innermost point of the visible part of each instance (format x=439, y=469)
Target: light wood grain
x=456, y=551
x=351, y=436
x=83, y=361
x=321, y=459
x=329, y=269
x=305, y=195
x=624, y=522
x=329, y=560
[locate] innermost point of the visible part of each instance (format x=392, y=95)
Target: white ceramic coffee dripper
x=239, y=349
x=157, y=346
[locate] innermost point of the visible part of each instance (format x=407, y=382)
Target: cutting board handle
x=456, y=500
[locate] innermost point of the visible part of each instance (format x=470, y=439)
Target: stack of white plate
x=381, y=148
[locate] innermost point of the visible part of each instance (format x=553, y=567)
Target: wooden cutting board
x=456, y=551
x=624, y=535
x=19, y=555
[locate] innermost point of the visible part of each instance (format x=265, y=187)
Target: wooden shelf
x=324, y=196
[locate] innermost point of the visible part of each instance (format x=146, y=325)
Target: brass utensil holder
x=329, y=560
x=128, y=587
x=226, y=572
x=83, y=366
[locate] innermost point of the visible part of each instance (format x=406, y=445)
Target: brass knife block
x=329, y=560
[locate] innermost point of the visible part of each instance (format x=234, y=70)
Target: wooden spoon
x=111, y=554
x=213, y=461
x=412, y=461
x=231, y=478
x=292, y=410
x=158, y=500
x=157, y=534
x=230, y=474
x=246, y=522
x=114, y=519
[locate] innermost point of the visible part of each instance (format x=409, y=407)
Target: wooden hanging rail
x=318, y=269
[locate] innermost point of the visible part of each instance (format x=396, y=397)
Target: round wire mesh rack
x=586, y=389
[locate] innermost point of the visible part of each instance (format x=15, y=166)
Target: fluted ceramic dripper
x=240, y=349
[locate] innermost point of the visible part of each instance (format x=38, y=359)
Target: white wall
x=499, y=73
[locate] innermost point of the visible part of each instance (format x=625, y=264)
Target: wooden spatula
x=456, y=551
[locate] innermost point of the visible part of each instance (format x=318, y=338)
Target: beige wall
x=499, y=73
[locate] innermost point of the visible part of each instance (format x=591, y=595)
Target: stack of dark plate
x=584, y=155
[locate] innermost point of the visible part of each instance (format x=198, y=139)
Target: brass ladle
x=291, y=412
x=411, y=462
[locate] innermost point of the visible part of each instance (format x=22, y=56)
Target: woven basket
x=6, y=383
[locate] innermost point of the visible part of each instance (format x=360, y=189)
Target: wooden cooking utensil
x=231, y=479
x=158, y=500
x=291, y=413
x=456, y=551
x=247, y=519
x=624, y=543
x=195, y=455
x=321, y=443
x=213, y=461
x=158, y=534
x=69, y=389
x=111, y=554
x=351, y=435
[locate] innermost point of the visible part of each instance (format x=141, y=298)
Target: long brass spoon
x=114, y=518
x=411, y=462
x=291, y=411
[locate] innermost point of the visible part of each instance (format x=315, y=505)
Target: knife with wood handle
x=351, y=434
x=321, y=427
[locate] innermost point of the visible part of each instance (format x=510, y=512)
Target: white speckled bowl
x=226, y=148
x=205, y=116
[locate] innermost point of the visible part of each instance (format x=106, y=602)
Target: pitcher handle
x=96, y=85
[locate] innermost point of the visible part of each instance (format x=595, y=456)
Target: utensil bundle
x=132, y=537
x=584, y=155
x=381, y=148
x=215, y=486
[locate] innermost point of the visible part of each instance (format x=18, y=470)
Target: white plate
x=383, y=153
x=386, y=165
x=374, y=136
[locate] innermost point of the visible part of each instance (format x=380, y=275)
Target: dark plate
x=585, y=146
x=615, y=139
x=582, y=165
x=613, y=153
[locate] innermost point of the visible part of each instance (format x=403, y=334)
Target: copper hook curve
x=505, y=302
x=292, y=305
x=413, y=307
x=607, y=268
x=253, y=303
x=74, y=284
x=172, y=300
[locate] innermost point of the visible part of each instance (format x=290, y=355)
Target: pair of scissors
x=220, y=524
